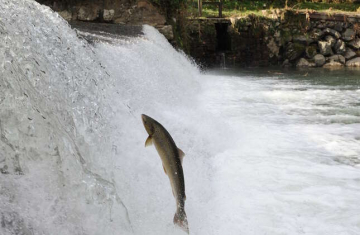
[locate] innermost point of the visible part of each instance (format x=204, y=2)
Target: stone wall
x=132, y=12
x=288, y=39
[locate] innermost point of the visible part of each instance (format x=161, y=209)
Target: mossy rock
x=294, y=50
x=310, y=51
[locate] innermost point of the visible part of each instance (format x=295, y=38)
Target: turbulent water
x=265, y=153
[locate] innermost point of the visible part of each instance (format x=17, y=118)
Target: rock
x=147, y=13
x=167, y=31
x=325, y=48
x=355, y=44
x=336, y=58
x=286, y=64
x=108, y=15
x=319, y=60
x=304, y=63
x=294, y=51
x=303, y=39
x=88, y=13
x=332, y=32
x=321, y=26
x=310, y=51
x=340, y=47
x=66, y=15
x=353, y=63
x=339, y=27
x=348, y=35
x=316, y=34
x=349, y=54
x=331, y=40
x=273, y=48
x=330, y=24
x=333, y=64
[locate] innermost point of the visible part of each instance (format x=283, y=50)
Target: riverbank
x=287, y=38
x=278, y=37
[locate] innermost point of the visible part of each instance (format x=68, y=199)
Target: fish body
x=171, y=158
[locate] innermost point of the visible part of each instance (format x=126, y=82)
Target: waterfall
x=276, y=155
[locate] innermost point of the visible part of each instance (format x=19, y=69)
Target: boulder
x=303, y=63
x=321, y=26
x=286, y=63
x=348, y=35
x=332, y=32
x=325, y=48
x=353, y=63
x=333, y=64
x=319, y=60
x=340, y=47
x=316, y=34
x=310, y=51
x=66, y=15
x=108, y=15
x=355, y=44
x=339, y=27
x=294, y=51
x=167, y=31
x=303, y=39
x=349, y=54
x=147, y=13
x=331, y=40
x=336, y=58
x=88, y=13
x=330, y=24
x=273, y=48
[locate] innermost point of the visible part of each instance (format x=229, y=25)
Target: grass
x=246, y=7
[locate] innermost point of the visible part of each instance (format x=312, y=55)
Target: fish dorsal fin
x=181, y=155
x=148, y=141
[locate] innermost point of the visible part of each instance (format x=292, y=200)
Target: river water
x=267, y=151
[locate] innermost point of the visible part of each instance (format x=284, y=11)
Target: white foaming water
x=263, y=156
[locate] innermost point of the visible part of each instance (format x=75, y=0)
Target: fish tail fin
x=180, y=219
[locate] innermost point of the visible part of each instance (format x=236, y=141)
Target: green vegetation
x=170, y=7
x=246, y=7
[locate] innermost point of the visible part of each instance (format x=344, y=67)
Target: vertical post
x=200, y=7
x=220, y=8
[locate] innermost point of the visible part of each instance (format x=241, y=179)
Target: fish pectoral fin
x=148, y=141
x=181, y=155
x=164, y=170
